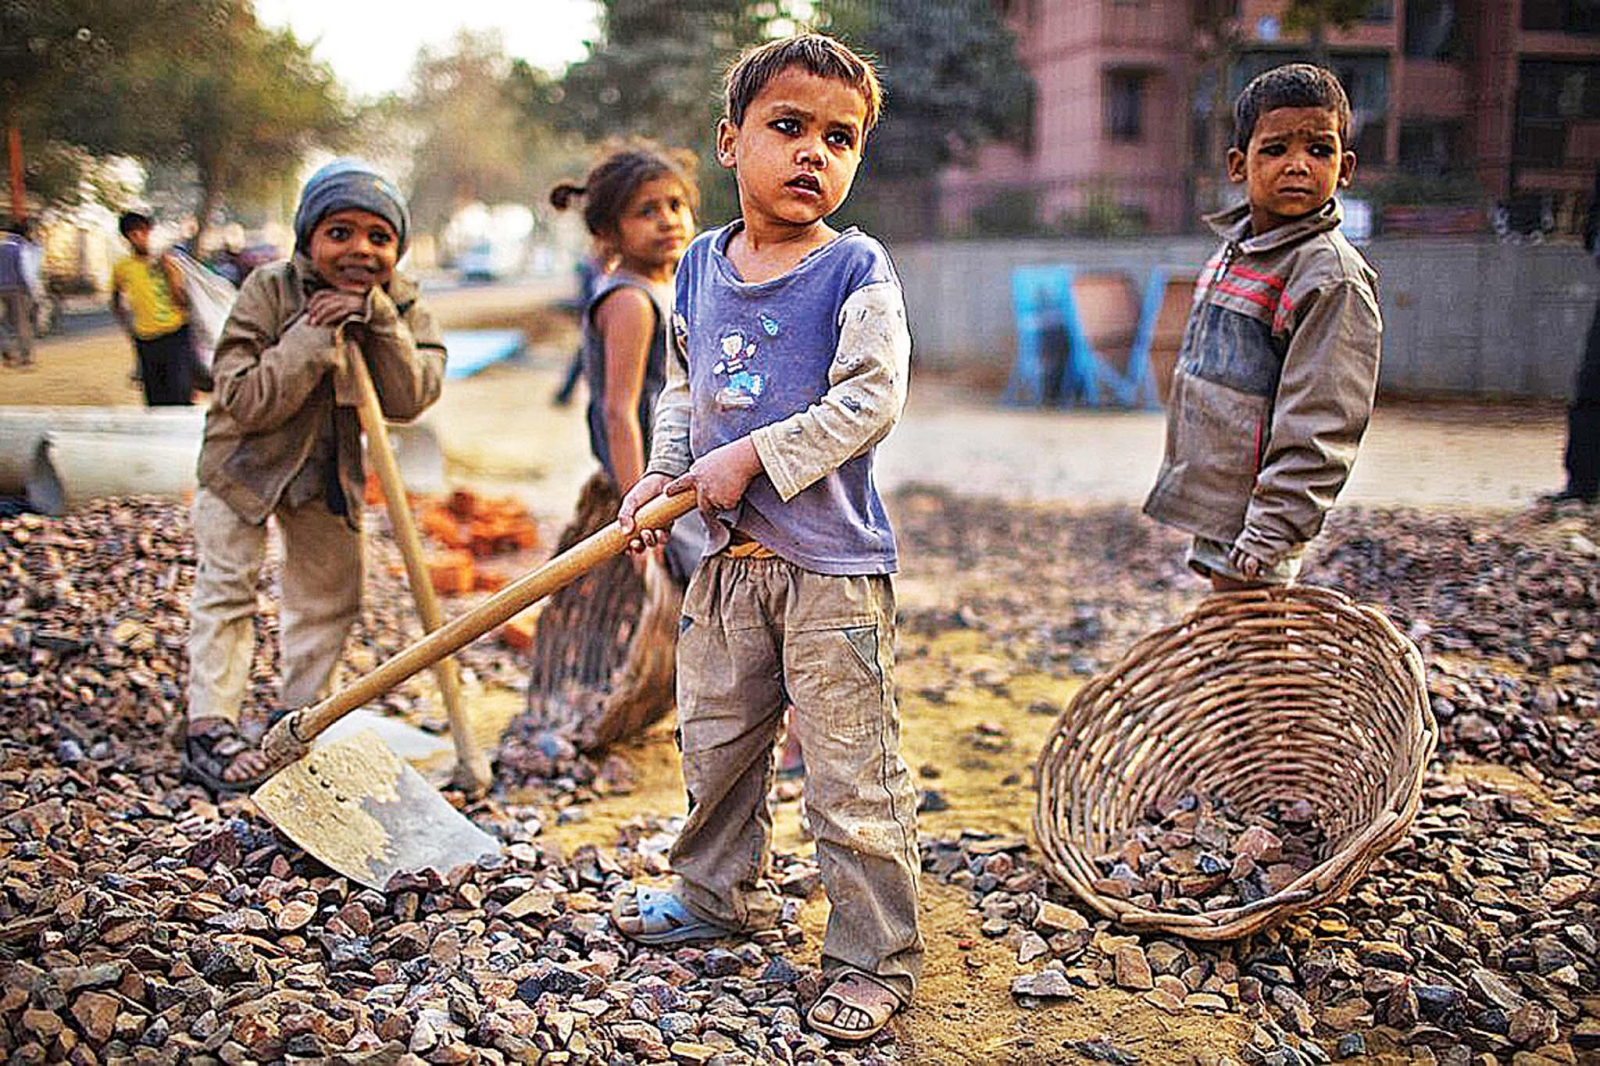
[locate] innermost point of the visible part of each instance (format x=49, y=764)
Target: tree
x=1315, y=17
x=479, y=130
x=952, y=80
x=242, y=107
x=656, y=71
x=1218, y=41
x=58, y=64
x=195, y=82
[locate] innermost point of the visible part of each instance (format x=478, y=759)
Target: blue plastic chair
x=1041, y=300
x=1141, y=366
x=1044, y=302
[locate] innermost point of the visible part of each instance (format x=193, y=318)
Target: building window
x=1124, y=118
x=1561, y=16
x=1209, y=13
x=1432, y=30
x=1379, y=11
x=1550, y=97
x=1429, y=148
x=1023, y=11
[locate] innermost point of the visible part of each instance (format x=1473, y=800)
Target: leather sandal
x=208, y=754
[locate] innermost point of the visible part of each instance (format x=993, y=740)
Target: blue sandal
x=662, y=918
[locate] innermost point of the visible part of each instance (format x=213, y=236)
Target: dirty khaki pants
x=321, y=601
x=758, y=632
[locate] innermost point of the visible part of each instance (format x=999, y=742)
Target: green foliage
x=1455, y=189
x=242, y=106
x=951, y=75
x=59, y=61
x=656, y=71
x=197, y=82
x=1009, y=213
x=480, y=130
x=1103, y=216
x=1309, y=16
x=1315, y=17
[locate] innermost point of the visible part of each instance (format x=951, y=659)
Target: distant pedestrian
x=148, y=299
x=1583, y=417
x=1275, y=383
x=21, y=292
x=590, y=267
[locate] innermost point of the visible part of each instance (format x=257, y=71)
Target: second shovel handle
x=306, y=724
x=472, y=767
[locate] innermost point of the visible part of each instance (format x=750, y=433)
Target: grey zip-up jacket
x=281, y=390
x=1273, y=387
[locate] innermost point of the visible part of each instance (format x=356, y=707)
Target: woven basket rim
x=1329, y=879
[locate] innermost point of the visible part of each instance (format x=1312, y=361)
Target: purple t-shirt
x=758, y=353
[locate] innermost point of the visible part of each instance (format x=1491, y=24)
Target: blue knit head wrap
x=346, y=183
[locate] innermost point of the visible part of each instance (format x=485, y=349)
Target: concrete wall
x=1461, y=316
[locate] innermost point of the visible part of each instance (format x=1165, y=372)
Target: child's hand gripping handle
x=291, y=738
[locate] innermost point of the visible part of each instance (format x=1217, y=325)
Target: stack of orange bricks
x=461, y=530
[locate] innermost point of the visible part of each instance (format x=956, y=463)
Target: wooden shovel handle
x=289, y=739
x=472, y=768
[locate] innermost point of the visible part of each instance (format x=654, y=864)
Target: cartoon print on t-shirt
x=744, y=386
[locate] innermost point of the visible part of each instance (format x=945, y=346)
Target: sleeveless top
x=594, y=361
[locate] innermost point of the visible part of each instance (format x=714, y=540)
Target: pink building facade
x=1503, y=92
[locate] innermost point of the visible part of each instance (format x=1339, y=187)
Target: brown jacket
x=1273, y=386
x=281, y=388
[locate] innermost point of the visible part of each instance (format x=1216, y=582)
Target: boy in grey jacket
x=1276, y=378
x=283, y=441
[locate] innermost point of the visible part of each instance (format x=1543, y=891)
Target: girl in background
x=639, y=204
x=602, y=661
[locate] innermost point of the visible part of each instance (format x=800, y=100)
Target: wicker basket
x=1276, y=694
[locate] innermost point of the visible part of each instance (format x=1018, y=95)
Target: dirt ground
x=502, y=434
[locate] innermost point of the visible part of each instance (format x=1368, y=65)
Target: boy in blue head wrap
x=283, y=440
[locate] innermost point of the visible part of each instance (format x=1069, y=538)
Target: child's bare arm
x=263, y=378
x=1322, y=407
x=669, y=429
x=669, y=443
x=626, y=319
x=867, y=391
x=405, y=353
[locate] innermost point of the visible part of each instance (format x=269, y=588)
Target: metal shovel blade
x=368, y=814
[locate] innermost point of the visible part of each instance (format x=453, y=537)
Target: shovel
x=472, y=773
x=355, y=805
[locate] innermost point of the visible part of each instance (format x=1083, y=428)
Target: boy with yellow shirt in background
x=148, y=299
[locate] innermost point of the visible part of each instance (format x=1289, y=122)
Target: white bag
x=211, y=299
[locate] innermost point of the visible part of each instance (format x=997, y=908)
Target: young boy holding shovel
x=283, y=440
x=790, y=360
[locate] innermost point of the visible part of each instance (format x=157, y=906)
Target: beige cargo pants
x=321, y=600
x=756, y=633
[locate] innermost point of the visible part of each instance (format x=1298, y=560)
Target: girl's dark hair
x=622, y=168
x=1291, y=85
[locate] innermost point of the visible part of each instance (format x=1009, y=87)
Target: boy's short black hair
x=815, y=53
x=132, y=220
x=1291, y=85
